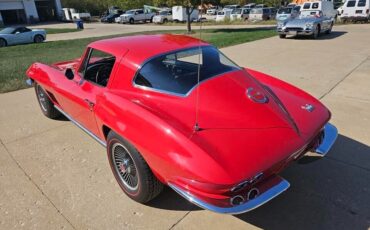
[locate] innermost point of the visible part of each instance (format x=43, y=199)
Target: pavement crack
x=34, y=183
x=345, y=77
x=35, y=134
x=174, y=225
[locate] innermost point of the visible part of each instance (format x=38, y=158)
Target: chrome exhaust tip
x=253, y=193
x=237, y=200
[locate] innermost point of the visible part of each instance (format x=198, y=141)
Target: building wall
x=31, y=11
x=29, y=8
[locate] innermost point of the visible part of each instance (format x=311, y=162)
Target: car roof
x=143, y=47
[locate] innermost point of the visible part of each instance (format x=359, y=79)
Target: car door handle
x=90, y=104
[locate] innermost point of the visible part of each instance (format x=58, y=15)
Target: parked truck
x=71, y=14
x=136, y=15
x=179, y=14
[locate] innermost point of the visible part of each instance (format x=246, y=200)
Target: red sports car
x=173, y=110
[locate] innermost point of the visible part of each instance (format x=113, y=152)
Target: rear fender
x=169, y=153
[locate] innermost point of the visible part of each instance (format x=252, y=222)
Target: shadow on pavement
x=330, y=193
x=332, y=35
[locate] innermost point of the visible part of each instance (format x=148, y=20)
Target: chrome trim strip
x=330, y=135
x=81, y=127
x=29, y=82
x=245, y=207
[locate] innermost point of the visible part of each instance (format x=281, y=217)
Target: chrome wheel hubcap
x=42, y=98
x=125, y=166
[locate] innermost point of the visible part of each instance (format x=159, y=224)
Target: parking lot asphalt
x=106, y=29
x=53, y=176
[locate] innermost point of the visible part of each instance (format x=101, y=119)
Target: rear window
x=351, y=3
x=315, y=5
x=177, y=72
x=307, y=6
x=361, y=3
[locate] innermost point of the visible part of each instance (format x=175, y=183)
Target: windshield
x=237, y=11
x=256, y=11
x=309, y=13
x=7, y=30
x=220, y=13
x=163, y=13
x=177, y=72
x=284, y=10
x=130, y=12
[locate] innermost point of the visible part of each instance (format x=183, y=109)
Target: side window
x=140, y=11
x=351, y=3
x=315, y=5
x=97, y=67
x=306, y=6
x=361, y=3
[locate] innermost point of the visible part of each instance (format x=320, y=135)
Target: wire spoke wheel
x=125, y=166
x=41, y=95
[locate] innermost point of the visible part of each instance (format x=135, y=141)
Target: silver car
x=21, y=35
x=310, y=23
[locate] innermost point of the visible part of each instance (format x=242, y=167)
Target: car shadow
x=328, y=193
x=224, y=30
x=332, y=35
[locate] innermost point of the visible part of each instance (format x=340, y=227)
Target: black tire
x=316, y=33
x=132, y=21
x=46, y=105
x=165, y=21
x=38, y=39
x=3, y=43
x=329, y=30
x=131, y=170
x=282, y=35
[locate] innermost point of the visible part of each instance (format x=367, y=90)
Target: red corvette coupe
x=173, y=110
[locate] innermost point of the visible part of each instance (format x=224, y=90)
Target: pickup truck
x=136, y=15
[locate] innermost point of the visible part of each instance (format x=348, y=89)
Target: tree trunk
x=189, y=11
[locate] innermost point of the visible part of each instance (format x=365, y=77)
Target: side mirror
x=69, y=74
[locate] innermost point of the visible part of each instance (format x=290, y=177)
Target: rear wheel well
x=106, y=130
x=6, y=42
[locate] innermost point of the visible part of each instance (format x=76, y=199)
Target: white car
x=136, y=15
x=240, y=14
x=163, y=17
x=326, y=7
x=212, y=10
x=355, y=10
x=223, y=15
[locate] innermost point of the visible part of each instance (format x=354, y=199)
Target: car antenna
x=196, y=126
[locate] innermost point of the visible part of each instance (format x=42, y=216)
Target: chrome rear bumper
x=278, y=187
x=330, y=135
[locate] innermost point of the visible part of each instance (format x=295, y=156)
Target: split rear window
x=177, y=72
